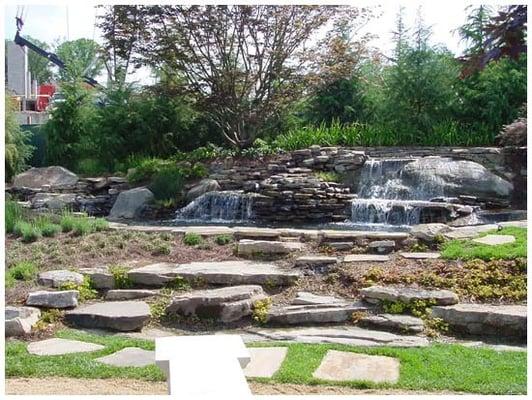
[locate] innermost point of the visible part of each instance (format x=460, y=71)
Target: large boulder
x=226, y=304
x=429, y=232
x=53, y=201
x=455, y=178
x=19, y=320
x=131, y=203
x=53, y=177
x=205, y=186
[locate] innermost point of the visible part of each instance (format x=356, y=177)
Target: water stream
x=222, y=206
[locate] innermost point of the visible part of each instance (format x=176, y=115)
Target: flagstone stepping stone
x=129, y=294
x=247, y=247
x=216, y=273
x=57, y=278
x=353, y=258
x=349, y=335
x=340, y=246
x=58, y=346
x=381, y=247
x=495, y=240
x=347, y=236
x=485, y=319
x=313, y=313
x=265, y=361
x=467, y=232
x=306, y=298
x=376, y=294
x=256, y=233
x=129, y=357
x=19, y=320
x=315, y=260
x=100, y=277
x=115, y=315
x=49, y=299
x=226, y=304
x=393, y=322
x=421, y=255
x=347, y=366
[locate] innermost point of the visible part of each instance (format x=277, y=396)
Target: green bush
x=28, y=231
x=17, y=148
x=85, y=289
x=192, y=239
x=82, y=227
x=22, y=271
x=121, y=277
x=222, y=240
x=168, y=183
x=50, y=230
x=68, y=221
x=13, y=214
x=99, y=224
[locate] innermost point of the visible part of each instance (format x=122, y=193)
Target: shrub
x=17, y=148
x=28, y=231
x=261, y=309
x=168, y=183
x=192, y=239
x=22, y=271
x=68, y=221
x=121, y=277
x=160, y=249
x=13, y=214
x=85, y=289
x=178, y=283
x=99, y=224
x=222, y=240
x=50, y=230
x=81, y=227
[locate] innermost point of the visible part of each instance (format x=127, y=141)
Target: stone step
x=247, y=247
x=420, y=255
x=226, y=304
x=313, y=313
x=100, y=277
x=315, y=260
x=306, y=298
x=129, y=294
x=349, y=335
x=113, y=315
x=57, y=278
x=393, y=323
x=485, y=319
x=216, y=273
x=51, y=299
x=354, y=258
x=375, y=294
x=347, y=236
x=381, y=247
x=19, y=320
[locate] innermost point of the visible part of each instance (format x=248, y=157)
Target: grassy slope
x=438, y=367
x=468, y=250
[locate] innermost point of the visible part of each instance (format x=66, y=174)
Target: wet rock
x=205, y=186
x=131, y=203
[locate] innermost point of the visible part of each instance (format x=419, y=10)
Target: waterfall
x=385, y=197
x=221, y=206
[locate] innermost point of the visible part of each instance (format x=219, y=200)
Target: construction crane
x=53, y=58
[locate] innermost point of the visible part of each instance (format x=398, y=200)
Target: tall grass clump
x=27, y=231
x=13, y=214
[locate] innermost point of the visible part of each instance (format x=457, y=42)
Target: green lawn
x=468, y=250
x=437, y=367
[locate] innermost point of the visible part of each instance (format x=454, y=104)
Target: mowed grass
x=468, y=250
x=434, y=368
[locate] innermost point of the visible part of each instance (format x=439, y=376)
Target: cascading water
x=384, y=197
x=224, y=206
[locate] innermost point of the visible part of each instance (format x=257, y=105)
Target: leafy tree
x=39, y=66
x=81, y=57
x=17, y=150
x=70, y=126
x=241, y=62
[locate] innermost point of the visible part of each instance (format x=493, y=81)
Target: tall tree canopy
x=81, y=57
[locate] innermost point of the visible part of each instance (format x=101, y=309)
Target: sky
x=52, y=23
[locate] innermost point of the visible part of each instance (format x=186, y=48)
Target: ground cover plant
x=495, y=372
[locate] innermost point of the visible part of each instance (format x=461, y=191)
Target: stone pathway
x=347, y=366
x=265, y=361
x=129, y=357
x=58, y=346
x=495, y=240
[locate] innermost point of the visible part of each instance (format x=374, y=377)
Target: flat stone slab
x=306, y=298
x=346, y=236
x=206, y=230
x=393, y=322
x=114, y=315
x=265, y=361
x=353, y=258
x=349, y=335
x=100, y=277
x=19, y=320
x=347, y=366
x=57, y=347
x=313, y=313
x=154, y=274
x=129, y=294
x=381, y=247
x=129, y=357
x=495, y=240
x=247, y=247
x=375, y=294
x=315, y=260
x=421, y=255
x=254, y=233
x=468, y=232
x=50, y=299
x=226, y=304
x=57, y=278
x=485, y=319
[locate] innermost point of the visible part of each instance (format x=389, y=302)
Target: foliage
x=469, y=250
x=51, y=316
x=120, y=277
x=17, y=150
x=81, y=58
x=85, y=289
x=13, y=213
x=38, y=65
x=22, y=271
x=178, y=283
x=28, y=231
x=261, y=309
x=224, y=239
x=50, y=230
x=328, y=176
x=192, y=239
